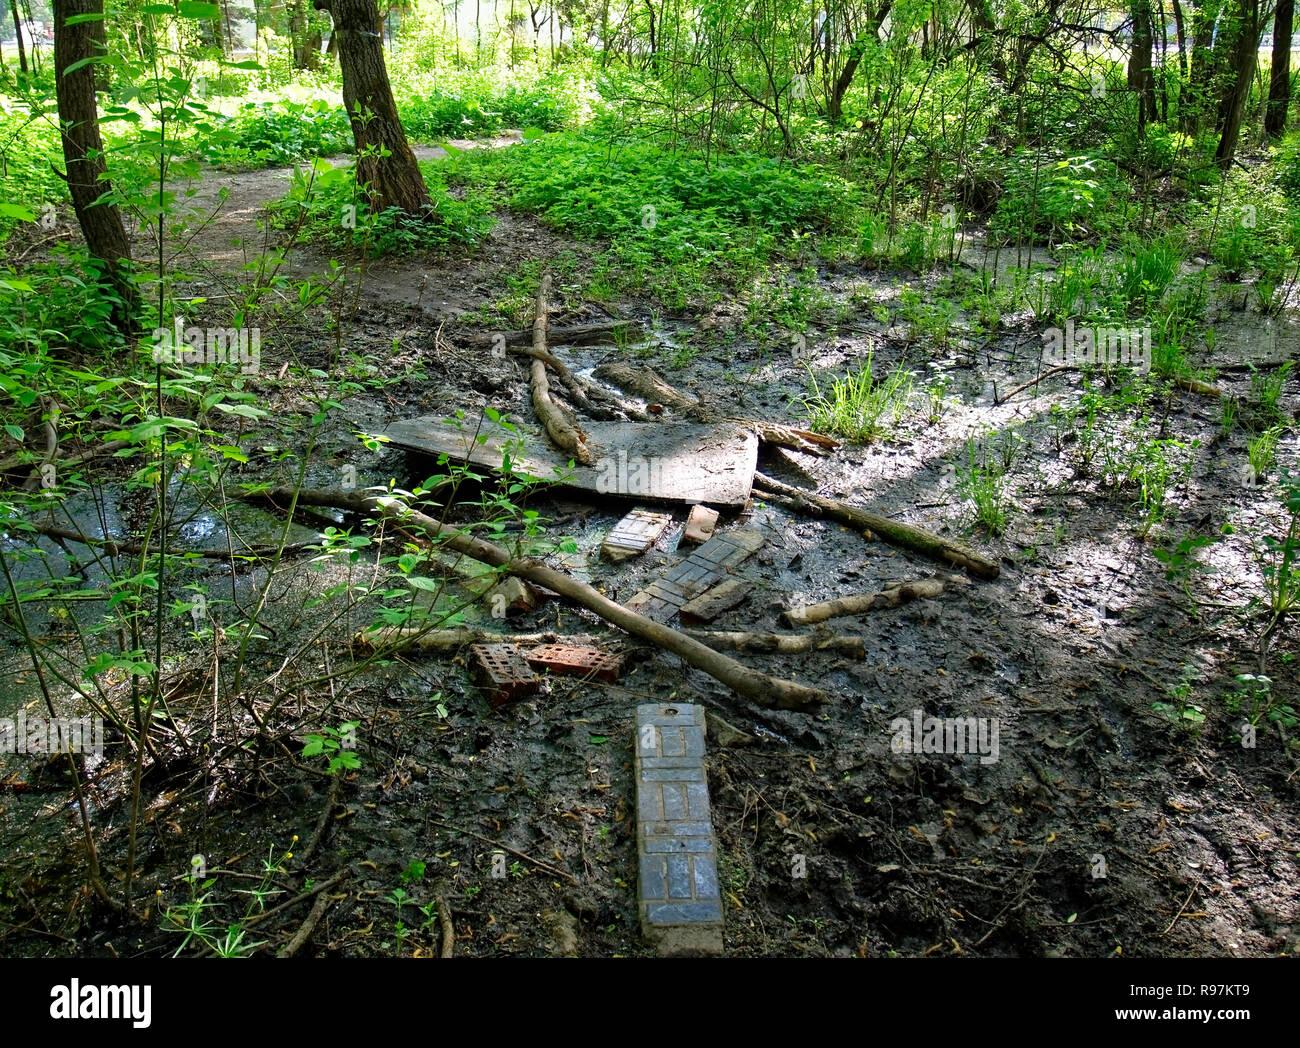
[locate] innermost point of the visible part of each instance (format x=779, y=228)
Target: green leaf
x=92, y=60
x=18, y=212
x=598, y=740
x=14, y=431
x=419, y=582
x=197, y=9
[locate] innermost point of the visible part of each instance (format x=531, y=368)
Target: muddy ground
x=1101, y=828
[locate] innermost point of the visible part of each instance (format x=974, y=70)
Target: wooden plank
x=661, y=461
x=713, y=602
x=634, y=534
x=703, y=569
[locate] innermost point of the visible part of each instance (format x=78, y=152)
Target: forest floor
x=1102, y=827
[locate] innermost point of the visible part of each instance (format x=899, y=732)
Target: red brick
x=503, y=672
x=568, y=659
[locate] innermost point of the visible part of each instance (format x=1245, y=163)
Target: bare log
x=895, y=533
x=395, y=638
x=323, y=902
x=564, y=433
x=448, y=928
x=106, y=448
x=894, y=594
x=786, y=643
x=758, y=687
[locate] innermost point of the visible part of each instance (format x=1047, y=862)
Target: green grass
x=861, y=406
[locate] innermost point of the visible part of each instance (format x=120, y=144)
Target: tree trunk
x=83, y=148
x=1206, y=52
x=834, y=104
x=392, y=180
x=1279, y=89
x=18, y=32
x=1140, y=77
x=1242, y=70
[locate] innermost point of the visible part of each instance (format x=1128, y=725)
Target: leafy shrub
x=325, y=204
x=1068, y=196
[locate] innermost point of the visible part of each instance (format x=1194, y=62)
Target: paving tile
x=677, y=885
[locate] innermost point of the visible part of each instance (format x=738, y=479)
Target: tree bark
x=1140, y=77
x=561, y=430
x=1205, y=58
x=835, y=104
x=1245, y=45
x=83, y=148
x=18, y=33
x=1279, y=89
x=391, y=180
x=894, y=532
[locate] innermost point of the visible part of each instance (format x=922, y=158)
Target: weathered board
x=703, y=569
x=659, y=461
x=634, y=534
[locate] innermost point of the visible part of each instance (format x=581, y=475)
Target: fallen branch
x=397, y=638
x=758, y=687
x=1192, y=385
x=894, y=594
x=114, y=548
x=1034, y=381
x=895, y=533
x=564, y=433
x=315, y=889
x=323, y=903
x=448, y=928
x=322, y=823
x=16, y=459
x=786, y=643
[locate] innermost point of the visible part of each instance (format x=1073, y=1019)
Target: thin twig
x=505, y=847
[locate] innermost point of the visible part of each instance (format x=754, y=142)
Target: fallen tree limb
x=448, y=928
x=895, y=533
x=131, y=549
x=323, y=903
x=758, y=687
x=645, y=383
x=786, y=643
x=894, y=594
x=106, y=448
x=564, y=433
x=1034, y=381
x=315, y=889
x=397, y=638
x=583, y=393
